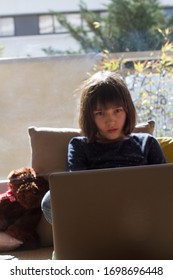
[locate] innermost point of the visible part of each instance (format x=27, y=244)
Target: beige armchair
x=48, y=155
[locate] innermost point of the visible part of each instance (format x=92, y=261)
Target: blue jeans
x=46, y=207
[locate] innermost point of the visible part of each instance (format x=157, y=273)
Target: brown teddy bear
x=20, y=208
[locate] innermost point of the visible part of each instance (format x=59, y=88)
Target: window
x=58, y=27
x=7, y=26
x=49, y=24
x=168, y=12
x=26, y=25
x=46, y=24
x=73, y=19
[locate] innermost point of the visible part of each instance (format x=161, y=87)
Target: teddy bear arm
x=24, y=226
x=3, y=223
x=4, y=205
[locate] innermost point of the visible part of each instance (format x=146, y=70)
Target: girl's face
x=110, y=121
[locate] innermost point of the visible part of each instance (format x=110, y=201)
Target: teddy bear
x=20, y=207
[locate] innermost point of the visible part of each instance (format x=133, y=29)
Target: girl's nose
x=110, y=117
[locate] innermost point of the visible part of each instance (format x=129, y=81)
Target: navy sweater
x=138, y=149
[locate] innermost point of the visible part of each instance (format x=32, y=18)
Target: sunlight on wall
x=39, y=92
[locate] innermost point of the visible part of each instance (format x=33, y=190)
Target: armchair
x=48, y=155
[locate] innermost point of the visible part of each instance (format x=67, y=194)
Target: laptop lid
x=118, y=213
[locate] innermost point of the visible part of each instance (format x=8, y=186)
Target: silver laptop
x=118, y=213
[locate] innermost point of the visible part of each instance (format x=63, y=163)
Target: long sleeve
x=155, y=154
x=77, y=159
x=138, y=149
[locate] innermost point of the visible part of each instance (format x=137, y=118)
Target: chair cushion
x=49, y=146
x=167, y=147
x=147, y=127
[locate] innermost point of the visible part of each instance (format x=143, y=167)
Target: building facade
x=29, y=27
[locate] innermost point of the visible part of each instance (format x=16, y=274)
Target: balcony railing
x=149, y=77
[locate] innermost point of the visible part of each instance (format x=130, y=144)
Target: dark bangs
x=106, y=94
x=100, y=91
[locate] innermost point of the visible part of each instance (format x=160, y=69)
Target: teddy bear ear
x=11, y=174
x=23, y=171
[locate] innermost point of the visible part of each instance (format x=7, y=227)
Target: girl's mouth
x=112, y=130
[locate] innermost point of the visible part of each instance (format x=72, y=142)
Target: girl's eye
x=118, y=110
x=98, y=113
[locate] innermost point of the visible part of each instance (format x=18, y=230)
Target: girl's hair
x=101, y=89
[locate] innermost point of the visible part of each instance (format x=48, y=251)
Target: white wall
x=11, y=7
x=166, y=2
x=31, y=46
x=40, y=92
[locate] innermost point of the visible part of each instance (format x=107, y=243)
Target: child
x=107, y=120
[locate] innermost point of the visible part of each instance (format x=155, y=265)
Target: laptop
x=113, y=214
